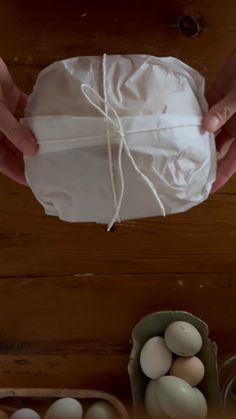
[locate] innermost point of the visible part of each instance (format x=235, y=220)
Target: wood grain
x=201, y=240
x=70, y=294
x=99, y=372
x=78, y=329
x=97, y=313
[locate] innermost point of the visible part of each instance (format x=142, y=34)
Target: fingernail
x=214, y=123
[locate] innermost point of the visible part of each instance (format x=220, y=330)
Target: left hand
x=15, y=140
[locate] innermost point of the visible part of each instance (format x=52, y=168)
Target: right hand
x=221, y=119
x=15, y=140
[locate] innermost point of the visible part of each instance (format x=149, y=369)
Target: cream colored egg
x=155, y=358
x=190, y=369
x=201, y=407
x=25, y=414
x=101, y=410
x=183, y=338
x=66, y=408
x=176, y=397
x=152, y=405
x=3, y=415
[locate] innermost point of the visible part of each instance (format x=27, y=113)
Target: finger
x=15, y=132
x=10, y=90
x=228, y=68
x=16, y=101
x=12, y=149
x=223, y=81
x=226, y=168
x=22, y=102
x=220, y=113
x=10, y=167
x=213, y=95
x=223, y=144
x=5, y=76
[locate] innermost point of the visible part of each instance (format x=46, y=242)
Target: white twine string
x=118, y=128
x=110, y=159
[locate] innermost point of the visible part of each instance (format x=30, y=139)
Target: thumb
x=220, y=113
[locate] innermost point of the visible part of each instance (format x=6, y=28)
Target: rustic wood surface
x=70, y=294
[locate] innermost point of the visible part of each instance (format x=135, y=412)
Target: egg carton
x=42, y=397
x=154, y=325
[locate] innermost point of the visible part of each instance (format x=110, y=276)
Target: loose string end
x=111, y=225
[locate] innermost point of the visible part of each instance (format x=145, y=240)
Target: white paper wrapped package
x=119, y=138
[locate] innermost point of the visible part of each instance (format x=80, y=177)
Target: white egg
x=201, y=408
x=155, y=358
x=152, y=405
x=176, y=397
x=101, y=410
x=183, y=338
x=25, y=414
x=66, y=408
x=3, y=415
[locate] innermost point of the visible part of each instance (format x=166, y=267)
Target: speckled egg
x=183, y=339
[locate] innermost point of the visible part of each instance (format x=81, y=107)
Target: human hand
x=15, y=140
x=221, y=119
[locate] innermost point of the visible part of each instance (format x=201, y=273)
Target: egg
x=3, y=415
x=201, y=409
x=155, y=358
x=176, y=397
x=66, y=408
x=152, y=405
x=25, y=414
x=101, y=410
x=183, y=338
x=190, y=369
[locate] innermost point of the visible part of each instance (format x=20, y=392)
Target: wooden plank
x=201, y=240
x=195, y=52
x=94, y=316
x=75, y=331
x=102, y=373
x=211, y=13
x=88, y=29
x=105, y=374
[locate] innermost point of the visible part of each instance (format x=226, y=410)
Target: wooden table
x=70, y=294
